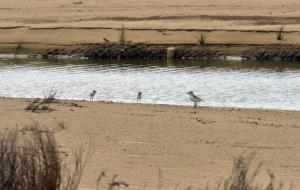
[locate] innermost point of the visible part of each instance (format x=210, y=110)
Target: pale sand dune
x=134, y=141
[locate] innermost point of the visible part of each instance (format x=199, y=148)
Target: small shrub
x=280, y=33
x=122, y=35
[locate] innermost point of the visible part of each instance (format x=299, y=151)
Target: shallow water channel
x=220, y=83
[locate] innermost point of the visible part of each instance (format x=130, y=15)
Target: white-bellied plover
x=139, y=97
x=194, y=98
x=92, y=94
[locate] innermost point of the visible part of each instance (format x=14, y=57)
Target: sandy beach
x=136, y=141
x=70, y=22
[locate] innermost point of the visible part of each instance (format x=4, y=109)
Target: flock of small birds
x=195, y=99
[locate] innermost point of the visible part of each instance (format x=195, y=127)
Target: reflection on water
x=219, y=83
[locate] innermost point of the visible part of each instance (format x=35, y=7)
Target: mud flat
x=136, y=141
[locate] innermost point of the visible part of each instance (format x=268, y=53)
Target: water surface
x=220, y=83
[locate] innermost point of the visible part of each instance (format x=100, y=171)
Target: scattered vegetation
x=201, y=40
x=42, y=105
x=122, y=35
x=280, y=33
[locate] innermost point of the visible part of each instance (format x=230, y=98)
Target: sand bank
x=135, y=141
x=38, y=25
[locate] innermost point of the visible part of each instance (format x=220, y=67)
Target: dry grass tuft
x=201, y=40
x=280, y=33
x=240, y=177
x=122, y=35
x=30, y=160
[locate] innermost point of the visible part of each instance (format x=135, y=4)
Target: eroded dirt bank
x=157, y=51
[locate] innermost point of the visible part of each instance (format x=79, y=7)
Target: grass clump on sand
x=30, y=160
x=280, y=33
x=122, y=35
x=241, y=178
x=201, y=40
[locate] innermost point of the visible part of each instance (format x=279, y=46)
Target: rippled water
x=219, y=83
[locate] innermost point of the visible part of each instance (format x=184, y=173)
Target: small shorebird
x=139, y=97
x=92, y=94
x=194, y=98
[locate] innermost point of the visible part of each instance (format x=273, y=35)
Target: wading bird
x=139, y=97
x=92, y=94
x=194, y=98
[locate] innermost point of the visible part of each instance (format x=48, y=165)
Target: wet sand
x=136, y=141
